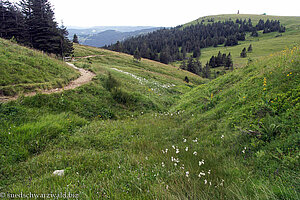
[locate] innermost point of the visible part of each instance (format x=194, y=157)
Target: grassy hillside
x=23, y=69
x=143, y=133
x=263, y=45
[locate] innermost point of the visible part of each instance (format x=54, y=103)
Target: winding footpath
x=85, y=77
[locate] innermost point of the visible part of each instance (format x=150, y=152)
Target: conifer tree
x=229, y=63
x=137, y=55
x=165, y=56
x=183, y=65
x=186, y=79
x=191, y=66
x=75, y=39
x=206, y=71
x=250, y=48
x=198, y=67
x=244, y=53
x=197, y=52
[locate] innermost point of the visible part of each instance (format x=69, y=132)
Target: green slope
x=23, y=70
x=263, y=45
x=240, y=129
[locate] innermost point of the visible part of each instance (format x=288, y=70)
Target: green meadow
x=139, y=131
x=24, y=70
x=263, y=45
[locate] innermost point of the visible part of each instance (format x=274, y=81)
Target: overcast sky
x=87, y=13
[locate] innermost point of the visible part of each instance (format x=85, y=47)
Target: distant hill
x=98, y=29
x=110, y=37
x=105, y=35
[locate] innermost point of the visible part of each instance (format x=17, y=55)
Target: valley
x=137, y=129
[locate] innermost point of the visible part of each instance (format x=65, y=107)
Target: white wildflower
x=186, y=148
x=59, y=172
x=187, y=174
x=177, y=150
x=184, y=140
x=201, y=174
x=163, y=164
x=205, y=181
x=201, y=162
x=195, y=153
x=222, y=136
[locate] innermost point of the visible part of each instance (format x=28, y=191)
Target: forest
x=169, y=45
x=31, y=23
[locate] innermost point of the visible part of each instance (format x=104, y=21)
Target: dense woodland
x=31, y=23
x=168, y=45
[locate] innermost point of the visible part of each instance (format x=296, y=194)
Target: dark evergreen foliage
x=75, y=39
x=244, y=53
x=137, y=55
x=31, y=23
x=250, y=48
x=221, y=60
x=206, y=71
x=173, y=44
x=186, y=79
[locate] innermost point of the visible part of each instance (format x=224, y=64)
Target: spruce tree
x=206, y=71
x=186, y=79
x=198, y=67
x=229, y=63
x=244, y=53
x=183, y=65
x=41, y=31
x=75, y=39
x=197, y=52
x=165, y=56
x=137, y=55
x=66, y=46
x=250, y=48
x=191, y=66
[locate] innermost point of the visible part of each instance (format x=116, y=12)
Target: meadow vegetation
x=139, y=131
x=24, y=70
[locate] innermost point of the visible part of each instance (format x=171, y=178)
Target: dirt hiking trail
x=85, y=77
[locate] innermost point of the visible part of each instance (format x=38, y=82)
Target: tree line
x=168, y=45
x=31, y=23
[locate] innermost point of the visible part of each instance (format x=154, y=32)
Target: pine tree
x=41, y=31
x=66, y=46
x=198, y=67
x=183, y=65
x=254, y=33
x=186, y=79
x=250, y=48
x=212, y=62
x=137, y=55
x=75, y=39
x=165, y=56
x=206, y=71
x=197, y=52
x=11, y=22
x=244, y=53
x=229, y=63
x=191, y=66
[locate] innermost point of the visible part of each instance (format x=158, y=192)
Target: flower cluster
x=144, y=81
